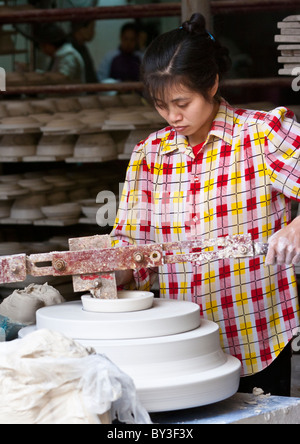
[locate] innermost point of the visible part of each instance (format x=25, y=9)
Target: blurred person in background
x=82, y=33
x=123, y=64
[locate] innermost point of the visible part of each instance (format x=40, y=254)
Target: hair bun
x=196, y=24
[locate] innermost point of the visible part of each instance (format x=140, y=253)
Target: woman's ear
x=215, y=88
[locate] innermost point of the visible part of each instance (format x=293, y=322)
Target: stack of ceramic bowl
x=28, y=209
x=17, y=108
x=63, y=125
x=5, y=208
x=17, y=146
x=89, y=208
x=10, y=190
x=93, y=120
x=19, y=125
x=107, y=101
x=35, y=185
x=130, y=99
x=95, y=147
x=125, y=120
x=46, y=106
x=65, y=212
x=55, y=146
x=60, y=182
x=89, y=102
x=67, y=105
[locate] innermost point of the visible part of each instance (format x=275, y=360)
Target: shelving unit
x=183, y=9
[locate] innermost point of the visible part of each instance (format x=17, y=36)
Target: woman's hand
x=284, y=246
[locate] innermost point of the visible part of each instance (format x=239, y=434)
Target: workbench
x=239, y=409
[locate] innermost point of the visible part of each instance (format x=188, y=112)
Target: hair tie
x=211, y=36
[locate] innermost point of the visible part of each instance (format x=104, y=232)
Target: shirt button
x=196, y=179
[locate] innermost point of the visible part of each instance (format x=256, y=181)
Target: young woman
x=216, y=171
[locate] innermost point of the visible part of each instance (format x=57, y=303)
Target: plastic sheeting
x=47, y=378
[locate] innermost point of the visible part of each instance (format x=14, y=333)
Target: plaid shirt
x=242, y=181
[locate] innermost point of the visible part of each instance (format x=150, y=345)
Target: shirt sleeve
x=282, y=151
x=133, y=222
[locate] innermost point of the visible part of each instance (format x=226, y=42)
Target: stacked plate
x=17, y=146
x=126, y=120
x=11, y=190
x=89, y=208
x=19, y=125
x=36, y=185
x=289, y=47
x=66, y=126
x=95, y=147
x=56, y=146
x=28, y=209
x=62, y=212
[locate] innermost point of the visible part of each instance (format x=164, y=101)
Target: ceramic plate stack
x=89, y=208
x=19, y=125
x=68, y=105
x=36, y=185
x=52, y=148
x=93, y=120
x=107, y=101
x=289, y=47
x=130, y=99
x=125, y=120
x=15, y=147
x=62, y=214
x=11, y=190
x=46, y=106
x=89, y=102
x=63, y=126
x=28, y=209
x=17, y=108
x=173, y=356
x=94, y=148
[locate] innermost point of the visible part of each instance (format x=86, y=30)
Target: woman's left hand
x=284, y=246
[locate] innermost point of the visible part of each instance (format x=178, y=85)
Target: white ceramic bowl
x=62, y=211
x=128, y=301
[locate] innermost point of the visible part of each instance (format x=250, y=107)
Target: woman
x=217, y=171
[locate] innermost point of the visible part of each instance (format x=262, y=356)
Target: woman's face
x=188, y=112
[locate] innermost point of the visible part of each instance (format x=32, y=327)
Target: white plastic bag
x=47, y=378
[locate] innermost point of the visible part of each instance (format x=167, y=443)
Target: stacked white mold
x=173, y=356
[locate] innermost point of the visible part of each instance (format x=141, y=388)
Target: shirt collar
x=222, y=128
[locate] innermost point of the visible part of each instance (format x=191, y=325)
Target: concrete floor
x=296, y=376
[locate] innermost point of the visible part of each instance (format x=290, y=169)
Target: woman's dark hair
x=188, y=56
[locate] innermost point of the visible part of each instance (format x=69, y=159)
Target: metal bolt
x=98, y=284
x=59, y=265
x=138, y=257
x=243, y=249
x=156, y=256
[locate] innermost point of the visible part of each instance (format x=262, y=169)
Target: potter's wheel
x=173, y=356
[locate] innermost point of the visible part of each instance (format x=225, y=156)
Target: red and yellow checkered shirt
x=242, y=181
